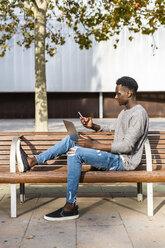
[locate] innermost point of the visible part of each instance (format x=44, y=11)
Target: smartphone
x=80, y=115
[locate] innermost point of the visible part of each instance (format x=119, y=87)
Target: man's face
x=122, y=95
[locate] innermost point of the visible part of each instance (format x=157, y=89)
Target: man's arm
x=137, y=129
x=88, y=123
x=86, y=142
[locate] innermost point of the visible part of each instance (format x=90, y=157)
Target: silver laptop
x=71, y=130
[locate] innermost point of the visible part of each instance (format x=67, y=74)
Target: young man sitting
x=124, y=153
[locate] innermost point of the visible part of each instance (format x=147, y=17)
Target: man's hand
x=85, y=142
x=87, y=122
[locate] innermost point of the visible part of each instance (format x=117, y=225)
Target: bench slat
x=64, y=133
x=86, y=177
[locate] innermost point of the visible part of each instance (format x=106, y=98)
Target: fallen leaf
x=30, y=237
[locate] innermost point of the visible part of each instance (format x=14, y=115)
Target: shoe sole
x=61, y=218
x=19, y=159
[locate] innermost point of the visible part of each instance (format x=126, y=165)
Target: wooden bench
x=150, y=170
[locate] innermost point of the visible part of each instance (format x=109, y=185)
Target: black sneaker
x=21, y=159
x=60, y=214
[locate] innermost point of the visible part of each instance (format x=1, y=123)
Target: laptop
x=71, y=130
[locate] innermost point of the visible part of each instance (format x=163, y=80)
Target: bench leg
x=22, y=192
x=13, y=200
x=150, y=199
x=139, y=192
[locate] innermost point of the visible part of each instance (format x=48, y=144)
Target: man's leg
x=99, y=159
x=60, y=148
x=25, y=162
x=76, y=156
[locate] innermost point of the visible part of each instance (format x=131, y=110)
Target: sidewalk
x=57, y=124
x=110, y=216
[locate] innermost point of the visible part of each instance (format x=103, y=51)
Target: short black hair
x=128, y=82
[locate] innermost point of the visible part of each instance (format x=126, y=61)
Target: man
x=124, y=153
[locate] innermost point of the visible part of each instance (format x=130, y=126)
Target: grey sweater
x=131, y=128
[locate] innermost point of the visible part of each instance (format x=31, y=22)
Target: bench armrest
x=13, y=154
x=148, y=155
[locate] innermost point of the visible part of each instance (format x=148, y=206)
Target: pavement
x=57, y=124
x=110, y=216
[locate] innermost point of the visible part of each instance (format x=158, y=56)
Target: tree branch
x=26, y=6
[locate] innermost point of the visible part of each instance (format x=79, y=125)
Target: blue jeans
x=76, y=156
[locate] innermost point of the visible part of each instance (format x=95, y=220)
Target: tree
x=100, y=18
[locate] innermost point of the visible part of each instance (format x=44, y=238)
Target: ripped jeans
x=76, y=156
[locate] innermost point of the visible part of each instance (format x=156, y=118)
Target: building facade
x=84, y=80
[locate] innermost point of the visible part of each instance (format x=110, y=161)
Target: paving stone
x=1, y=197
x=92, y=188
x=12, y=229
x=97, y=211
x=4, y=189
x=49, y=234
x=46, y=189
x=102, y=236
x=144, y=231
x=100, y=225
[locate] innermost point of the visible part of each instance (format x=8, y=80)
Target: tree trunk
x=41, y=109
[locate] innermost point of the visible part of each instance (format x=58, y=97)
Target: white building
x=83, y=80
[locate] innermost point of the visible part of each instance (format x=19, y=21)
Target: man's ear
x=130, y=93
